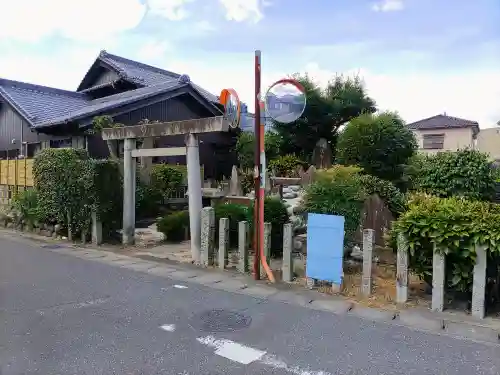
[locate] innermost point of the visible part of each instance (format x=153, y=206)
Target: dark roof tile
x=443, y=122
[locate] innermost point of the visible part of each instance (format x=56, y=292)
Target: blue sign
x=325, y=247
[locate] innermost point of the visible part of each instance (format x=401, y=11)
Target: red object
x=256, y=226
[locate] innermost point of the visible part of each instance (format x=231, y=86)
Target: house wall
x=488, y=141
x=454, y=139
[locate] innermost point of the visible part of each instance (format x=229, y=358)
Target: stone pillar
x=96, y=230
x=402, y=270
x=129, y=171
x=243, y=230
x=267, y=247
x=479, y=283
x=146, y=161
x=223, y=242
x=207, y=236
x=438, y=281
x=368, y=237
x=287, y=267
x=194, y=194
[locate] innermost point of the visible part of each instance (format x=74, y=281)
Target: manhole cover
x=219, y=320
x=52, y=246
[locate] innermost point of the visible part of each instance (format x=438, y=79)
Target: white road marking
x=168, y=327
x=246, y=355
x=180, y=286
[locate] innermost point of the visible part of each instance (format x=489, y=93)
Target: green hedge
x=174, y=226
x=455, y=226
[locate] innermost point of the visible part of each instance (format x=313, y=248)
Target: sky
x=417, y=57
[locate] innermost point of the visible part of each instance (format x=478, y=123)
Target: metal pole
x=257, y=203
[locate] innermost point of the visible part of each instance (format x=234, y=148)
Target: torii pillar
x=189, y=128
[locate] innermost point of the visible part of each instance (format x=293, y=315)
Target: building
x=33, y=117
x=488, y=141
x=444, y=133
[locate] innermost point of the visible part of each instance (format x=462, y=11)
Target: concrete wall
x=454, y=139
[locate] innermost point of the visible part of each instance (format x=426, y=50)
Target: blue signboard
x=325, y=247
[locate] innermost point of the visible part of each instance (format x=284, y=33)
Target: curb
x=485, y=332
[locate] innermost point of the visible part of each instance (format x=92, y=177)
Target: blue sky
x=418, y=57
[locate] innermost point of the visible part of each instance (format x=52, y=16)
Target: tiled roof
x=47, y=106
x=143, y=74
x=443, y=122
x=96, y=106
x=40, y=104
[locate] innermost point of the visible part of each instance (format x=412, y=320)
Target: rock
x=291, y=195
x=57, y=228
x=54, y=234
x=295, y=188
x=287, y=190
x=64, y=238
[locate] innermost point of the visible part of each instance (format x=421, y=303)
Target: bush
x=174, y=226
x=63, y=179
x=390, y=194
x=245, y=148
x=379, y=143
x=464, y=173
x=108, y=195
x=275, y=212
x=338, y=191
x=285, y=166
x=455, y=226
x=147, y=200
x=235, y=213
x=165, y=179
x=25, y=204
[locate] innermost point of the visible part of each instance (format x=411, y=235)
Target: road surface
x=65, y=315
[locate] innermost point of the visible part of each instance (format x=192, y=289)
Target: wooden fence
x=15, y=176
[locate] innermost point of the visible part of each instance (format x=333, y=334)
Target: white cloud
x=153, y=50
x=466, y=94
x=90, y=20
x=388, y=6
x=173, y=10
x=242, y=10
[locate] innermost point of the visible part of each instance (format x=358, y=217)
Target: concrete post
x=287, y=266
x=96, y=230
x=223, y=242
x=438, y=281
x=267, y=247
x=243, y=229
x=402, y=270
x=366, y=286
x=194, y=194
x=207, y=236
x=129, y=171
x=479, y=283
x=146, y=161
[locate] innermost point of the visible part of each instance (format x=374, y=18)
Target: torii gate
x=190, y=128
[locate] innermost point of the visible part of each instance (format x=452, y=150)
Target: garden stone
x=295, y=188
x=290, y=195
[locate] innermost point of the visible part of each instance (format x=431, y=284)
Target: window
x=61, y=143
x=433, y=141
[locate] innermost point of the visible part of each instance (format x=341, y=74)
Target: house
x=444, y=133
x=488, y=141
x=33, y=117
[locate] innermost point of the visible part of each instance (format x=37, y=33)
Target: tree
x=381, y=144
x=326, y=110
x=245, y=147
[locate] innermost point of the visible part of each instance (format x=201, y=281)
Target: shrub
x=275, y=212
x=25, y=204
x=147, y=200
x=454, y=226
x=235, y=213
x=380, y=143
x=337, y=191
x=245, y=148
x=464, y=173
x=166, y=179
x=107, y=190
x=247, y=182
x=390, y=194
x=285, y=166
x=174, y=226
x=63, y=179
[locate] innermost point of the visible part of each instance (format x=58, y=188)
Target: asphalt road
x=65, y=315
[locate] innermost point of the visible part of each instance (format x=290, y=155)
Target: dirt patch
x=383, y=287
